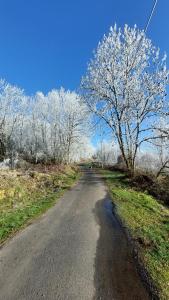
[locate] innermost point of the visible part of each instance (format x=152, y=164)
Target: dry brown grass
x=25, y=194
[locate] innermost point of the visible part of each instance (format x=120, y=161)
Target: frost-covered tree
x=41, y=128
x=106, y=153
x=125, y=86
x=62, y=121
x=82, y=150
x=11, y=104
x=51, y=126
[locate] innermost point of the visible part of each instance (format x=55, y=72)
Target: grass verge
x=26, y=195
x=148, y=224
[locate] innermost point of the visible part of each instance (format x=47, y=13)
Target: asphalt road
x=77, y=250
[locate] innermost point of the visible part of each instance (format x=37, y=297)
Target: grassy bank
x=25, y=195
x=148, y=223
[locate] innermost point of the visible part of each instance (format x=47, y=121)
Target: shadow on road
x=116, y=276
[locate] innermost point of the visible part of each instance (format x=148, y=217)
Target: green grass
x=23, y=198
x=148, y=223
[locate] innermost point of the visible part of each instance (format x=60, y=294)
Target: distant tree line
x=42, y=128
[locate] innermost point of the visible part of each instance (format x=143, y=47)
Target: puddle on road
x=116, y=276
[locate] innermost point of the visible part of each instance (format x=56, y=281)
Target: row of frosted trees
x=42, y=128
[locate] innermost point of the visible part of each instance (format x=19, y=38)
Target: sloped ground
x=26, y=194
x=158, y=188
x=148, y=222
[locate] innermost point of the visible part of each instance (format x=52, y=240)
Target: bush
x=159, y=188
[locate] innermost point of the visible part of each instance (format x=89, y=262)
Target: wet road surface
x=76, y=251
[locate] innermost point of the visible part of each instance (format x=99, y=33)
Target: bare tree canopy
x=125, y=86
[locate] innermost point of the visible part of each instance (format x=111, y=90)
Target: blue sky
x=46, y=44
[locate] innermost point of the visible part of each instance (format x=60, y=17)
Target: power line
x=151, y=15
x=145, y=30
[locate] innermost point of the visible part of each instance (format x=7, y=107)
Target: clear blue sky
x=47, y=43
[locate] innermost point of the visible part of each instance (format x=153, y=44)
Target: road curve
x=76, y=251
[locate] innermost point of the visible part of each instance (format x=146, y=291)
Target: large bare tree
x=125, y=85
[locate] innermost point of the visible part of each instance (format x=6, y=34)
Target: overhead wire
x=151, y=15
x=145, y=29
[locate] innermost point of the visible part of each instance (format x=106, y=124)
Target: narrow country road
x=76, y=251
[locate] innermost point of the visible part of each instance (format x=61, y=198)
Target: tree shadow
x=116, y=276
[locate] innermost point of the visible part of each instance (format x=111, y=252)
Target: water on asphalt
x=76, y=251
